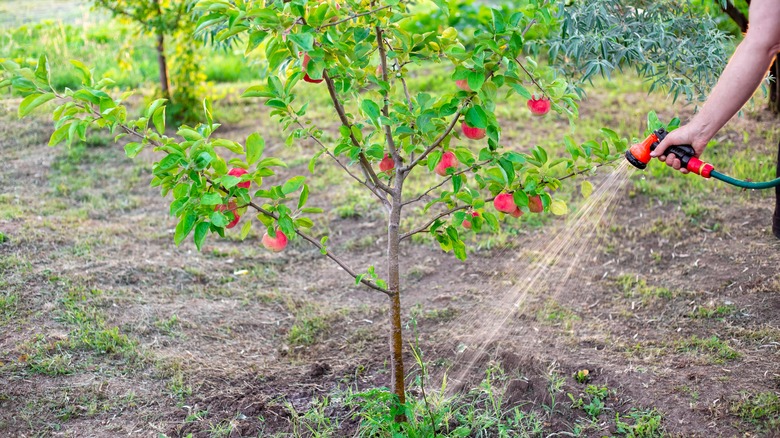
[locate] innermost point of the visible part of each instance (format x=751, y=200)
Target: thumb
x=661, y=148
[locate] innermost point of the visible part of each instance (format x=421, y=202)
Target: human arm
x=744, y=72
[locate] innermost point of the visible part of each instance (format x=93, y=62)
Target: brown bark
x=736, y=15
x=165, y=83
x=394, y=287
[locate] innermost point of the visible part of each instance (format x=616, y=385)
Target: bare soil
x=212, y=330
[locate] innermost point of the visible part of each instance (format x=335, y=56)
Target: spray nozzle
x=639, y=154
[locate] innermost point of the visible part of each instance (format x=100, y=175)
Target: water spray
x=639, y=155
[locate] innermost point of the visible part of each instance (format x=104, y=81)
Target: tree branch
x=311, y=240
x=254, y=205
x=736, y=15
x=373, y=190
x=466, y=207
x=385, y=108
x=353, y=16
x=444, y=181
x=367, y=169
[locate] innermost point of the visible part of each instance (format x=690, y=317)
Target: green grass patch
x=762, y=409
x=633, y=286
x=719, y=311
x=716, y=350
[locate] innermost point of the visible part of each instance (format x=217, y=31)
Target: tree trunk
x=394, y=286
x=774, y=89
x=776, y=217
x=165, y=83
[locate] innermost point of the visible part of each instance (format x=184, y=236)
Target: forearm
x=743, y=74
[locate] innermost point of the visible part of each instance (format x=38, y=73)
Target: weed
x=8, y=304
x=51, y=358
x=719, y=311
x=593, y=401
x=762, y=409
x=641, y=424
x=169, y=326
x=633, y=286
x=582, y=376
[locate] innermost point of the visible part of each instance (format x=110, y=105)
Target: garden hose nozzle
x=639, y=155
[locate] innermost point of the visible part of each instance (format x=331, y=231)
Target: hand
x=687, y=134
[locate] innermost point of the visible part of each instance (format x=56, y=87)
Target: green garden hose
x=745, y=184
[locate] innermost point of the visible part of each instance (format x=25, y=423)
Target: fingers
x=659, y=150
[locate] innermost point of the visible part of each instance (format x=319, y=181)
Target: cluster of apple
x=275, y=244
x=504, y=202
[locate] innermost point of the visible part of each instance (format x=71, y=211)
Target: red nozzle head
x=639, y=154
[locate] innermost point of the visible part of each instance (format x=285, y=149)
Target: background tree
x=171, y=24
x=363, y=53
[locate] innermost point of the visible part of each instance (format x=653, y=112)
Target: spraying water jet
x=639, y=155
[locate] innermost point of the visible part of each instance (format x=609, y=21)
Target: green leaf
x=304, y=196
x=210, y=199
x=304, y=40
x=86, y=75
x=159, y=119
x=200, y=234
x=292, y=184
x=184, y=227
x=61, y=133
x=229, y=181
x=520, y=198
x=33, y=101
x=475, y=80
x=131, y=149
x=255, y=145
x=245, y=229
x=218, y=219
x=586, y=188
x=559, y=207
x=371, y=109
x=476, y=117
x=653, y=122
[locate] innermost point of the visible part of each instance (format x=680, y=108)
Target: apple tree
x=390, y=134
x=178, y=56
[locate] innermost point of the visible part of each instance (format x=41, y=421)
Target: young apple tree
x=361, y=52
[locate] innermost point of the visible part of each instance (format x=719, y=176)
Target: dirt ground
x=670, y=309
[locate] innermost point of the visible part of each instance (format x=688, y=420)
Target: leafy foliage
x=169, y=18
x=663, y=41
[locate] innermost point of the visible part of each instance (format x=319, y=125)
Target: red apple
x=238, y=173
x=516, y=213
x=448, y=161
x=472, y=133
x=463, y=84
x=505, y=203
x=379, y=71
x=539, y=107
x=275, y=244
x=306, y=77
x=387, y=164
x=535, y=204
x=467, y=223
x=230, y=207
